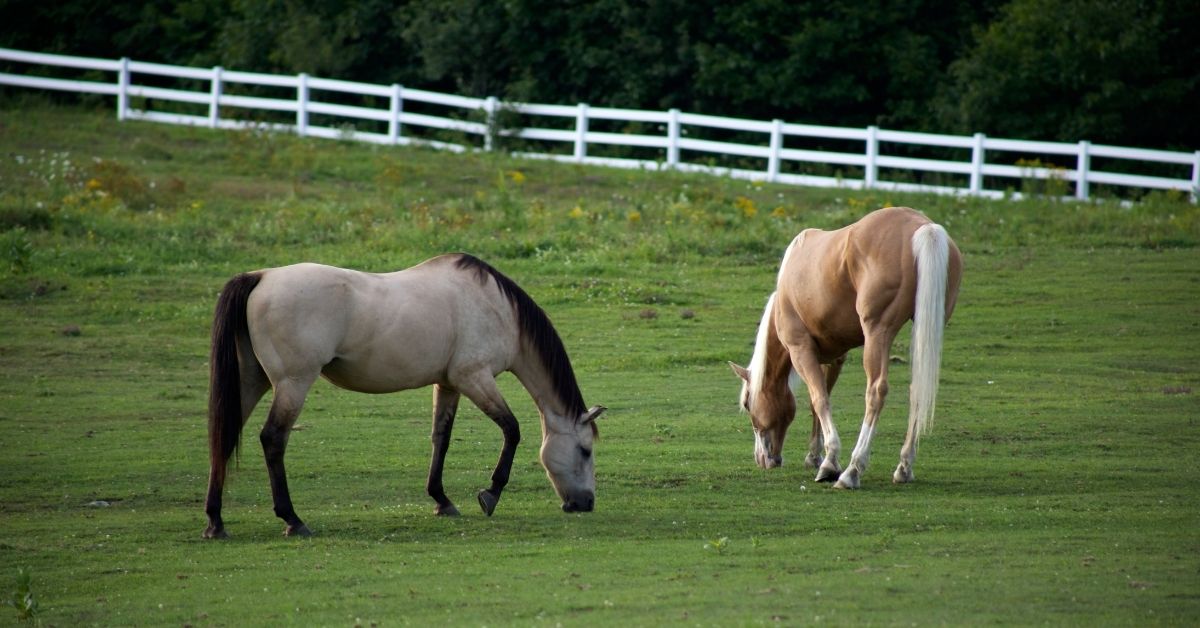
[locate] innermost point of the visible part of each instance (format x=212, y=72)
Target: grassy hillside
x=1054, y=488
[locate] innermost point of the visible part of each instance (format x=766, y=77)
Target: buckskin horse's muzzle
x=584, y=502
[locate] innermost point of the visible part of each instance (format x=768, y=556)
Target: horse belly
x=376, y=379
x=830, y=319
x=389, y=360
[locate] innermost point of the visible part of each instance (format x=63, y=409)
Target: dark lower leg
x=445, y=405
x=274, y=442
x=512, y=436
x=212, y=505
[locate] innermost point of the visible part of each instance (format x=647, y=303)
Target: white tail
x=931, y=249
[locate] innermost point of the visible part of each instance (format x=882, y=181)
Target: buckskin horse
x=837, y=290
x=453, y=321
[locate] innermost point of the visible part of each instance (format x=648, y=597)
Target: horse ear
x=740, y=371
x=592, y=414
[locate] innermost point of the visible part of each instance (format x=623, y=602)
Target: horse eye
x=585, y=452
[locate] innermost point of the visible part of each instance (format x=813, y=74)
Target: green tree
x=831, y=63
x=1113, y=71
x=331, y=38
x=169, y=31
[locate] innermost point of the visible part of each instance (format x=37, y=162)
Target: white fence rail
x=665, y=137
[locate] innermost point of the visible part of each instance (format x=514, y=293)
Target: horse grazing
x=452, y=321
x=837, y=290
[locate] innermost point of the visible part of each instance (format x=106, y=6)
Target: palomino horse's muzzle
x=584, y=502
x=768, y=462
x=762, y=451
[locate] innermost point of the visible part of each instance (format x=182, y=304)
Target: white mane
x=758, y=362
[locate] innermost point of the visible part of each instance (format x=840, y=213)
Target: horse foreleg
x=804, y=361
x=875, y=363
x=816, y=442
x=482, y=391
x=445, y=405
x=274, y=437
x=488, y=498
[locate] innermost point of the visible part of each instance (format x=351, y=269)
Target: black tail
x=225, y=384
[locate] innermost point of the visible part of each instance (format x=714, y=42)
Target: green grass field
x=1058, y=485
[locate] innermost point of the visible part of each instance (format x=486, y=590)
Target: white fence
x=667, y=136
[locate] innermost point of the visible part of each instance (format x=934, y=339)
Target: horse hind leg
x=908, y=456
x=253, y=385
x=289, y=400
x=445, y=406
x=875, y=363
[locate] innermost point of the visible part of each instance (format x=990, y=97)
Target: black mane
x=535, y=328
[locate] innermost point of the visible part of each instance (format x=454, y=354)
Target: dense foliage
x=1111, y=71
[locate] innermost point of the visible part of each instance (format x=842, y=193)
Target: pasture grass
x=1057, y=485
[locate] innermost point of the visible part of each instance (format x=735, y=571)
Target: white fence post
x=581, y=129
x=302, y=104
x=490, y=107
x=1196, y=177
x=672, y=138
x=977, y=165
x=1083, y=168
x=397, y=108
x=123, y=89
x=776, y=147
x=871, y=170
x=214, y=104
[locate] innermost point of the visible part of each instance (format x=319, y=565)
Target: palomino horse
x=452, y=321
x=837, y=290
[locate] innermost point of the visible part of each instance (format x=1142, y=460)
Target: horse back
x=835, y=282
x=378, y=332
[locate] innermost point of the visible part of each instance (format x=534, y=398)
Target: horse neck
x=771, y=365
x=539, y=382
x=777, y=367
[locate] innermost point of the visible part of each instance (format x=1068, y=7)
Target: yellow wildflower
x=746, y=205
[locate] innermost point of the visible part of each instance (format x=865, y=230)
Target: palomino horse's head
x=567, y=456
x=765, y=395
x=770, y=417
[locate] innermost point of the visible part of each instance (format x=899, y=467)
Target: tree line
x=1111, y=71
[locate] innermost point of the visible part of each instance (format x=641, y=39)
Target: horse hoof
x=487, y=502
x=812, y=462
x=300, y=530
x=848, y=480
x=447, y=510
x=902, y=476
x=828, y=474
x=215, y=533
